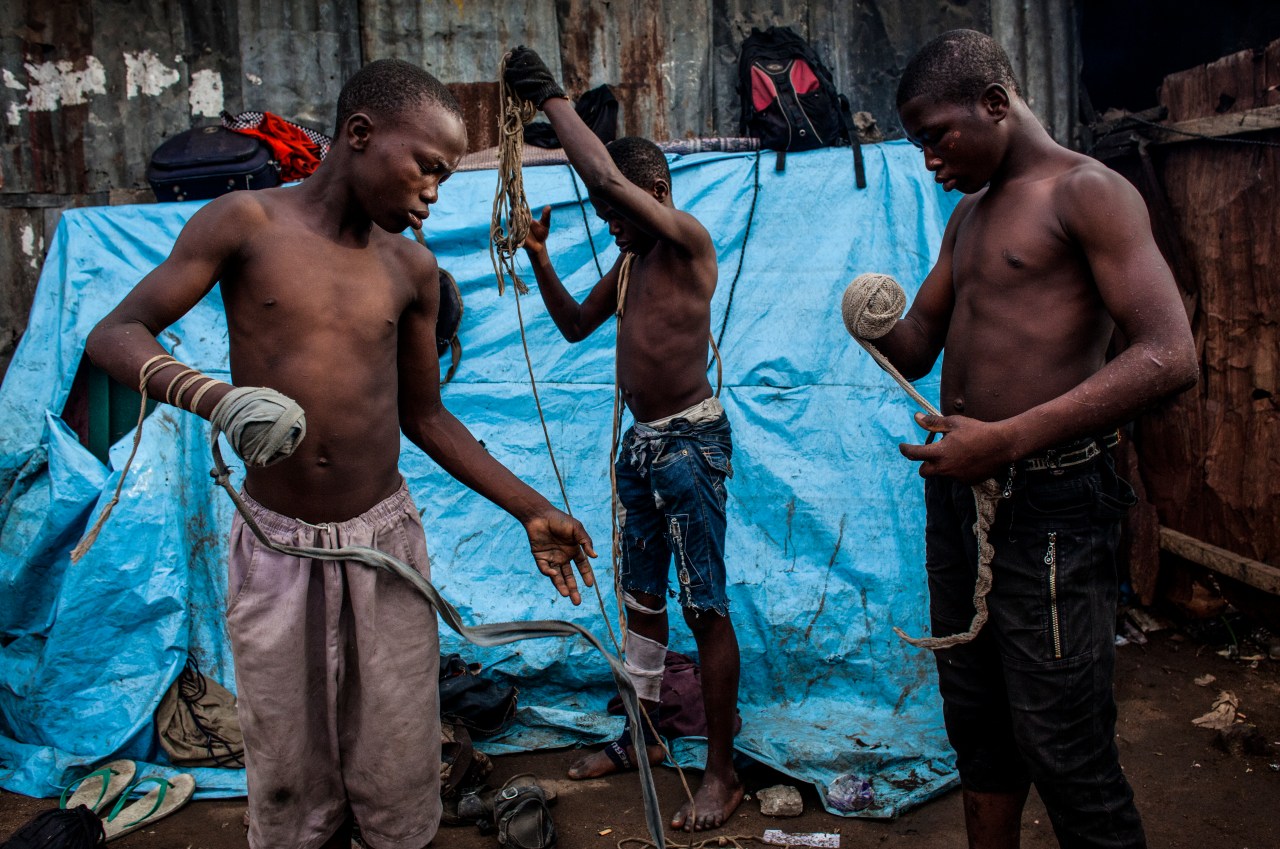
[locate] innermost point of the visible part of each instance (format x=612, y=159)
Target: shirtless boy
x=1046, y=256
x=336, y=663
x=677, y=455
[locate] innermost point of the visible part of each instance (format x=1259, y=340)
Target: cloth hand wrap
x=262, y=425
x=872, y=305
x=528, y=76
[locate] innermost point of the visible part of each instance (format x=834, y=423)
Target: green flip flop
x=161, y=800
x=99, y=788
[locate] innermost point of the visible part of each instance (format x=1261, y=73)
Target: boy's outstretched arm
x=575, y=321
x=1107, y=218
x=556, y=540
x=529, y=77
x=126, y=338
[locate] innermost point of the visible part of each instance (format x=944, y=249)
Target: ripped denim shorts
x=671, y=506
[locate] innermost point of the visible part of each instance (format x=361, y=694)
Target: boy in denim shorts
x=1047, y=255
x=673, y=462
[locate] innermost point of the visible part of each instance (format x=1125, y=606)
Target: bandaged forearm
x=644, y=662
x=262, y=425
x=184, y=390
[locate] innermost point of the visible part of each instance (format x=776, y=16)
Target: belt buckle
x=1051, y=458
x=1081, y=455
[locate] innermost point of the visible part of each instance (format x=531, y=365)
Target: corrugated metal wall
x=90, y=87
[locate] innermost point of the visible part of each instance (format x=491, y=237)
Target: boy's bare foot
x=714, y=802
x=614, y=757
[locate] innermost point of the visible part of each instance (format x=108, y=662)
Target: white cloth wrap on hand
x=262, y=425
x=872, y=305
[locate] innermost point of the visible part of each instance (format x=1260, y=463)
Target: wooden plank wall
x=1211, y=458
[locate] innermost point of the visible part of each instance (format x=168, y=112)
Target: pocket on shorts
x=1114, y=502
x=239, y=580
x=718, y=459
x=397, y=538
x=668, y=457
x=1055, y=502
x=1051, y=610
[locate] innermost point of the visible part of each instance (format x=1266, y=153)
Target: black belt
x=1072, y=454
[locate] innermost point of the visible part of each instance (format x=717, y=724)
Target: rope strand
x=150, y=369
x=509, y=204
x=871, y=307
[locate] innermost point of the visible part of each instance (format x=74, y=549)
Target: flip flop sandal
x=99, y=788
x=617, y=753
x=165, y=798
x=620, y=751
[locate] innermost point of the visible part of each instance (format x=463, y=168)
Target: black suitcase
x=205, y=162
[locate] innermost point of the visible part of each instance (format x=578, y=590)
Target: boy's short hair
x=388, y=87
x=956, y=67
x=640, y=161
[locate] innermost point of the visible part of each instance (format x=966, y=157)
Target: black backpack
x=597, y=108
x=789, y=100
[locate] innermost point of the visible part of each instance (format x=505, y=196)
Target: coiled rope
x=871, y=306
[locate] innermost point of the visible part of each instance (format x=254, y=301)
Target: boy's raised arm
x=574, y=321
x=528, y=76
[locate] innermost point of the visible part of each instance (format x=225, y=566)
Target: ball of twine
x=872, y=305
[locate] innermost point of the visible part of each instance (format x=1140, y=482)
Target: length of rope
x=509, y=225
x=872, y=304
x=511, y=204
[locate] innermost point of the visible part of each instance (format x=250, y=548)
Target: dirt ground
x=1191, y=792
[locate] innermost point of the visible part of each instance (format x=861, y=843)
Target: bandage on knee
x=632, y=603
x=644, y=662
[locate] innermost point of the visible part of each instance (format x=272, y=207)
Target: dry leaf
x=1222, y=714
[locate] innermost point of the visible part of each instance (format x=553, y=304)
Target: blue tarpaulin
x=825, y=542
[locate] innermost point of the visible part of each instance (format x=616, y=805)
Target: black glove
x=528, y=76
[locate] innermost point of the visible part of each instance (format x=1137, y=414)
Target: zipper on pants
x=1051, y=560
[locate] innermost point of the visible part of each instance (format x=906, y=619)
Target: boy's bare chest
x=314, y=288
x=1012, y=242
